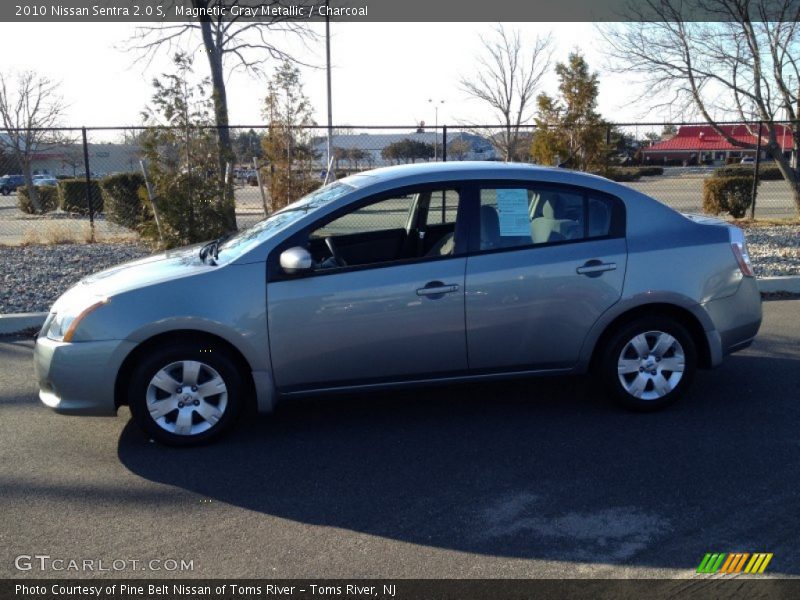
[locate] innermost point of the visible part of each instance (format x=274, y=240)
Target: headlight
x=66, y=320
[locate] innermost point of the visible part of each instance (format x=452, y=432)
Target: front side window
x=392, y=213
x=524, y=216
x=405, y=226
x=247, y=239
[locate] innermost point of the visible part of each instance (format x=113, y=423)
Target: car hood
x=134, y=274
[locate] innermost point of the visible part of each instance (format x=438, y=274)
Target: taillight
x=739, y=247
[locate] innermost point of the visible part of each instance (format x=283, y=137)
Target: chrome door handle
x=595, y=267
x=437, y=288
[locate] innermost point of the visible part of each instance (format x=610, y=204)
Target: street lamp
x=436, y=104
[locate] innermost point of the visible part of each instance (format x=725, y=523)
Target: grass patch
x=71, y=232
x=754, y=223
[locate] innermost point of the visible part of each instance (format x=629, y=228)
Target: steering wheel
x=334, y=254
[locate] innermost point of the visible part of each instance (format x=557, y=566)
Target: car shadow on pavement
x=542, y=468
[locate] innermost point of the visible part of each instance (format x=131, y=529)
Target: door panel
x=368, y=325
x=531, y=308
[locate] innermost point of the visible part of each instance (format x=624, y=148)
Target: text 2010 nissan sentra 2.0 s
x=420, y=273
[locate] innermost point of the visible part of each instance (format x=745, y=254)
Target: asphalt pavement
x=535, y=478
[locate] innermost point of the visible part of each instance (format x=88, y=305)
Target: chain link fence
x=80, y=173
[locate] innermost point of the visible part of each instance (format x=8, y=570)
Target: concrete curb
x=16, y=322
x=788, y=283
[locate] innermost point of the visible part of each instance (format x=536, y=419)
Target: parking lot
x=684, y=193
x=537, y=478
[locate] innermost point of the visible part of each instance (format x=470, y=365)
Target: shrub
x=733, y=195
x=769, y=173
x=189, y=210
x=72, y=196
x=629, y=173
x=620, y=174
x=651, y=171
x=48, y=198
x=766, y=172
x=734, y=171
x=121, y=199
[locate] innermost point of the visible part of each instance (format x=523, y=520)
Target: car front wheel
x=649, y=363
x=185, y=394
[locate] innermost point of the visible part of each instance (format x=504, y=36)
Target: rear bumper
x=736, y=319
x=79, y=378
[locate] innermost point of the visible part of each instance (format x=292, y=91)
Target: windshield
x=247, y=239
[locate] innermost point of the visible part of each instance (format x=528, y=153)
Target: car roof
x=433, y=171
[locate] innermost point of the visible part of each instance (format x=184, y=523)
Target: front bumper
x=79, y=378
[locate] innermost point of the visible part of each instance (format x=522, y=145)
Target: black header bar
x=443, y=11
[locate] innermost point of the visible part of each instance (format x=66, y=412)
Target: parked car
x=406, y=275
x=748, y=160
x=46, y=180
x=10, y=183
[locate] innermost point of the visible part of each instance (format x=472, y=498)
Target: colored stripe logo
x=739, y=562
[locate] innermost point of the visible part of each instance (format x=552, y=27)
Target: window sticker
x=512, y=209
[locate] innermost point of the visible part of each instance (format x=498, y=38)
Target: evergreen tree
x=570, y=127
x=287, y=144
x=181, y=156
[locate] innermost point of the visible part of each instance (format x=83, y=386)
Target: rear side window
x=600, y=217
x=525, y=216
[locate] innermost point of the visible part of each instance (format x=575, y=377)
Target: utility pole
x=330, y=101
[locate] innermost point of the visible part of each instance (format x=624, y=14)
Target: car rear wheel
x=185, y=394
x=649, y=363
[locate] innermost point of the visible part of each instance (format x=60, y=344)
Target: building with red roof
x=702, y=143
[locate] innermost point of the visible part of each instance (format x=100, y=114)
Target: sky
x=383, y=73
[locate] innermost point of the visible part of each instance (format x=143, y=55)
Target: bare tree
x=29, y=110
x=73, y=158
x=743, y=65
x=242, y=42
x=459, y=148
x=507, y=76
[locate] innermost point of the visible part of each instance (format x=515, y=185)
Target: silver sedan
x=416, y=274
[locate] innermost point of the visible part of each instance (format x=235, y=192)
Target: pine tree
x=287, y=145
x=570, y=127
x=180, y=150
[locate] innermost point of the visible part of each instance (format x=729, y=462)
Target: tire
x=200, y=388
x=635, y=362
x=6, y=191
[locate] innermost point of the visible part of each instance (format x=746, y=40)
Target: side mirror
x=296, y=260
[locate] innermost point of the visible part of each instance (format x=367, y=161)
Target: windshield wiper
x=212, y=248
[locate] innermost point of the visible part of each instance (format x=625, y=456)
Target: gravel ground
x=34, y=276
x=774, y=249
